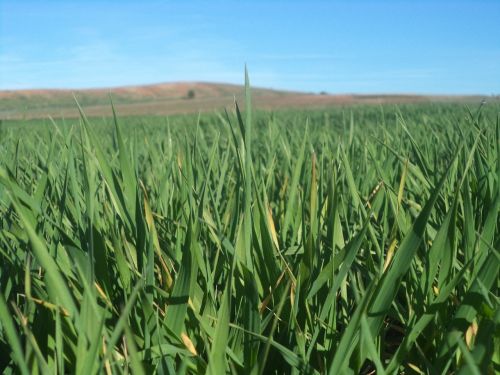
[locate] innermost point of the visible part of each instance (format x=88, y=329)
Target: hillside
x=174, y=98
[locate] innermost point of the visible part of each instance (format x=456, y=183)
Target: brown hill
x=176, y=98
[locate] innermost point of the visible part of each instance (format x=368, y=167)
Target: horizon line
x=198, y=82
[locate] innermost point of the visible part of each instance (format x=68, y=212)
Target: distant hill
x=177, y=98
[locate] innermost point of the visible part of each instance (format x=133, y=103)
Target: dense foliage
x=348, y=240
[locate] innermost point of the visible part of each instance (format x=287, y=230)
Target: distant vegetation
x=347, y=240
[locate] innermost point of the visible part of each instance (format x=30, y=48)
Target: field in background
x=343, y=240
x=182, y=98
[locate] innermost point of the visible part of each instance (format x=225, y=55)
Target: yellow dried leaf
x=390, y=253
x=272, y=228
x=470, y=334
x=188, y=343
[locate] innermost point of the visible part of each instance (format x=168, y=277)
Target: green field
x=342, y=241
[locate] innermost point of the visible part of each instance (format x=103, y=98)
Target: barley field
x=356, y=239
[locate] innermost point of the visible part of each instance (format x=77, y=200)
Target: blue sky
x=449, y=47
